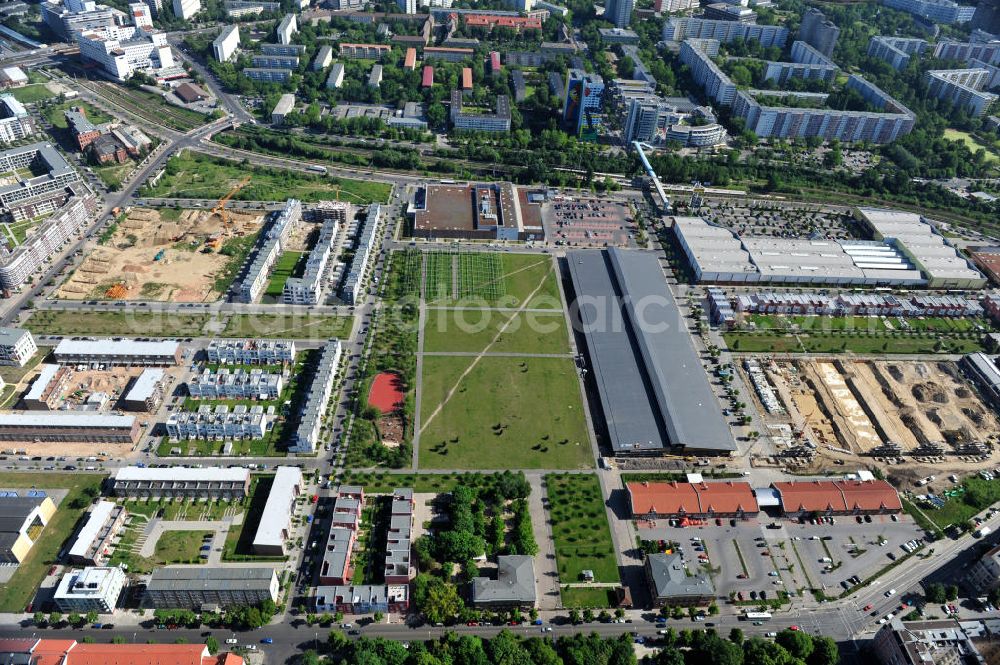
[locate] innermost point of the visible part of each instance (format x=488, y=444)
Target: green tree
x=118, y=639
x=92, y=617
x=796, y=642
x=936, y=593
x=825, y=652
x=377, y=617
x=309, y=657
x=55, y=618
x=736, y=636
x=39, y=618
x=212, y=644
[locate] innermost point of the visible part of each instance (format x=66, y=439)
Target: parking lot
x=588, y=222
x=749, y=556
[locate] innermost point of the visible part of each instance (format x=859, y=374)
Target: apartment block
x=350, y=290
x=93, y=544
x=963, y=88
x=318, y=400
x=275, y=61
x=498, y=121
x=185, y=9
x=251, y=351
x=205, y=483
x=697, y=54
x=274, y=531
x=819, y=32
x=324, y=56
x=287, y=29
x=936, y=11
x=682, y=27
x=896, y=50
x=365, y=51
x=15, y=121
x=87, y=427
x=120, y=52
x=308, y=289
x=271, y=242
x=225, y=587
x=17, y=346
x=237, y=384
x=224, y=46
x=220, y=424
x=265, y=74
x=92, y=589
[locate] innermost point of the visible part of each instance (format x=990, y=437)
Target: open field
x=973, y=496
x=473, y=330
x=197, y=176
x=18, y=592
x=173, y=257
x=580, y=529
x=507, y=413
x=869, y=324
x=155, y=324
x=774, y=342
x=972, y=143
x=291, y=325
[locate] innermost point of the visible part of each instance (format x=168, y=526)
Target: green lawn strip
x=294, y=326
x=580, y=528
x=30, y=94
x=132, y=323
x=383, y=482
x=583, y=597
x=508, y=413
x=20, y=589
x=287, y=265
x=194, y=175
x=920, y=517
x=889, y=343
x=866, y=324
x=180, y=547
x=467, y=330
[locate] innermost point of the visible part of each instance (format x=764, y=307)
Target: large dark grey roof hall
x=654, y=390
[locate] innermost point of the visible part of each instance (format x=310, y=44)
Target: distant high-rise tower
x=818, y=32
x=619, y=12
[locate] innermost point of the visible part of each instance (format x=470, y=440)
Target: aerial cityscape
x=527, y=332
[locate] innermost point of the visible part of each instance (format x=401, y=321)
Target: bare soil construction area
x=161, y=255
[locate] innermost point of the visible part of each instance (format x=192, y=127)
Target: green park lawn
x=971, y=142
x=179, y=547
x=473, y=330
x=55, y=115
x=492, y=279
x=580, y=530
x=193, y=175
x=507, y=413
x=20, y=589
x=810, y=342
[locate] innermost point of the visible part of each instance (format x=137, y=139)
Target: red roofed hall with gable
x=700, y=500
x=838, y=497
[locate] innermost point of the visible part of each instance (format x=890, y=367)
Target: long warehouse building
x=655, y=393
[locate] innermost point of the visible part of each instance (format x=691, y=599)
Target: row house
x=220, y=423
x=236, y=384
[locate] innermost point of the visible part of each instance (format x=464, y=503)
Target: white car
x=890, y=592
x=232, y=640
x=250, y=647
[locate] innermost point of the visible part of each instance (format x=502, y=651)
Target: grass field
x=179, y=547
x=155, y=324
x=490, y=279
x=18, y=592
x=113, y=174
x=289, y=264
x=473, y=330
x=193, y=175
x=972, y=143
x=582, y=597
x=30, y=94
x=291, y=325
x=580, y=529
x=979, y=495
x=508, y=413
x=773, y=342
x=871, y=324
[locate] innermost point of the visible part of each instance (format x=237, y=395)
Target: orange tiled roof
x=837, y=495
x=675, y=498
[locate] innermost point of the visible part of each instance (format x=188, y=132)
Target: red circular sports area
x=386, y=393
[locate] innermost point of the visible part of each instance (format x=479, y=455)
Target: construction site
x=823, y=411
x=165, y=255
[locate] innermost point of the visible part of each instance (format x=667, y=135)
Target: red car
x=472, y=623
x=793, y=628
x=765, y=553
x=866, y=608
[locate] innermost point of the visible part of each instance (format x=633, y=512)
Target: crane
x=220, y=207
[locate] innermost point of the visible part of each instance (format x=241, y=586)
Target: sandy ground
x=184, y=273
x=848, y=414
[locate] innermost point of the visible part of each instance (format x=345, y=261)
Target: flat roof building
x=318, y=399
x=225, y=45
x=94, y=589
x=251, y=351
x=485, y=211
x=128, y=352
x=94, y=541
x=275, y=526
x=145, y=392
x=285, y=105
x=655, y=394
x=192, y=588
x=210, y=482
x=69, y=427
